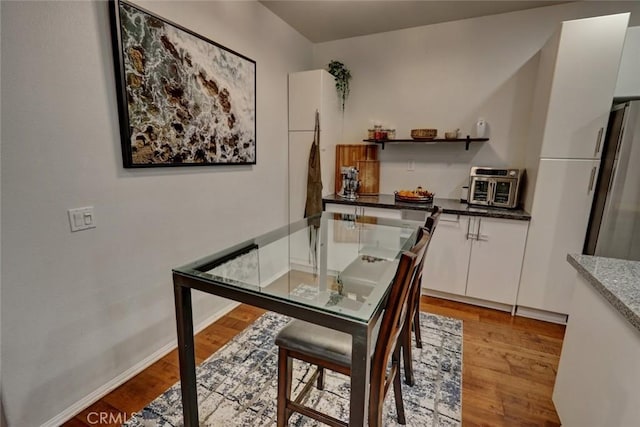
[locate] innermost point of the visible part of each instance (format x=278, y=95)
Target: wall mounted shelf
x=468, y=140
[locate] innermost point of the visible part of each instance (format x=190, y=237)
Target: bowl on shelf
x=423, y=134
x=451, y=135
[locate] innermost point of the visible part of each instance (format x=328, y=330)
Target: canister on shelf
x=377, y=132
x=391, y=134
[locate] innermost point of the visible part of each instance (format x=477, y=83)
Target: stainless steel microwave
x=494, y=187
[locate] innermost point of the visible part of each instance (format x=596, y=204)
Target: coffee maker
x=350, y=183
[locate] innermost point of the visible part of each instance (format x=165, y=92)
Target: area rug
x=237, y=386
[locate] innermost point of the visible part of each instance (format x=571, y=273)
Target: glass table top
x=341, y=264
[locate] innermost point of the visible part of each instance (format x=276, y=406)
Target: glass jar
x=377, y=132
x=371, y=134
x=391, y=134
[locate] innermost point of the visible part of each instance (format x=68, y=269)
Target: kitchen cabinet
x=558, y=224
x=447, y=261
x=599, y=369
x=476, y=257
x=364, y=211
x=350, y=241
x=576, y=82
x=471, y=258
x=311, y=91
x=497, y=248
x=583, y=60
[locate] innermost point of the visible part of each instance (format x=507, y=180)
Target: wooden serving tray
x=424, y=199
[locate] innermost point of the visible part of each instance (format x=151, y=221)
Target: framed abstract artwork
x=183, y=100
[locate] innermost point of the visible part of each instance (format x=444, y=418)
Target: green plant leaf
x=342, y=75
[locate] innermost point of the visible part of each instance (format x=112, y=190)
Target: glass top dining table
x=333, y=270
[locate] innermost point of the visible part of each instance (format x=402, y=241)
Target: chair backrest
x=432, y=221
x=430, y=227
x=393, y=320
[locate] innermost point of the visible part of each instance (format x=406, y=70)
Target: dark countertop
x=617, y=280
x=449, y=206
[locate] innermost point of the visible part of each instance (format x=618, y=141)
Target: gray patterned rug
x=237, y=386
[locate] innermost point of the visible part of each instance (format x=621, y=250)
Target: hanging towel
x=313, y=204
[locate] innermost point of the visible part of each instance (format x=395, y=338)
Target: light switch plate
x=82, y=218
x=411, y=166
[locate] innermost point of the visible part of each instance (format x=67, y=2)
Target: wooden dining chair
x=413, y=317
x=330, y=349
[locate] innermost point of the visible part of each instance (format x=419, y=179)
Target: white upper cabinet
x=583, y=57
x=310, y=91
x=305, y=97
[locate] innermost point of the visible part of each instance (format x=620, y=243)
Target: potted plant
x=342, y=75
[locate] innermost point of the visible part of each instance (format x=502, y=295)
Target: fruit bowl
x=414, y=196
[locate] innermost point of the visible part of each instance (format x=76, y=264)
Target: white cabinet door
x=305, y=97
x=344, y=243
x=383, y=213
x=559, y=216
x=299, y=147
x=342, y=209
x=364, y=211
x=496, y=259
x=447, y=259
x=583, y=84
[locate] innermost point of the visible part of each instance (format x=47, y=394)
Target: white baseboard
x=546, y=316
x=468, y=300
x=105, y=389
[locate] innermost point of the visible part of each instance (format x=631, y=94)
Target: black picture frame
x=183, y=100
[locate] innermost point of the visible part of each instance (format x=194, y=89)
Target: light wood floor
x=509, y=367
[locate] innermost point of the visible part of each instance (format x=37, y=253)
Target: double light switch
x=82, y=218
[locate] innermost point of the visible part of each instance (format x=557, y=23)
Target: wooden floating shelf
x=468, y=140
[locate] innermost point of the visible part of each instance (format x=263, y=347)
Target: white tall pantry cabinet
x=310, y=91
x=576, y=82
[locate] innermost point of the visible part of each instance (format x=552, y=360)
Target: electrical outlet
x=82, y=218
x=411, y=166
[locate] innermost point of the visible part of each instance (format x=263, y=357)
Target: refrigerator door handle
x=598, y=141
x=592, y=179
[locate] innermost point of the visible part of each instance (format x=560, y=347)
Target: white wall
x=446, y=76
x=80, y=309
x=629, y=75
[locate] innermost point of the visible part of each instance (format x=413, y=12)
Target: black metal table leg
x=186, y=354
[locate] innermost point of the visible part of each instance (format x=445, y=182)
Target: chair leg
x=416, y=323
x=284, y=386
x=397, y=387
x=406, y=353
x=320, y=383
